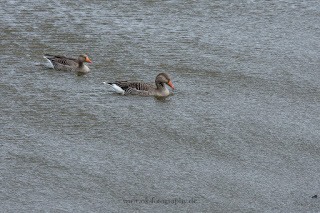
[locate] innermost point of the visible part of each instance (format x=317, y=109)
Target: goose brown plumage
x=62, y=63
x=145, y=89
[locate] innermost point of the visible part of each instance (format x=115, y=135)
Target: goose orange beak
x=88, y=60
x=170, y=84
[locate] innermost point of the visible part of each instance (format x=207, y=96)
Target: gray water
x=239, y=134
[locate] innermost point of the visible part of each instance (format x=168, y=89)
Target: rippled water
x=239, y=134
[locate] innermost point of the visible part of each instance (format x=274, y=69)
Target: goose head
x=84, y=58
x=163, y=78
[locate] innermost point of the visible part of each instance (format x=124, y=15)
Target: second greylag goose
x=62, y=63
x=145, y=89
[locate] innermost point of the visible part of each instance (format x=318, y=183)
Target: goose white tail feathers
x=117, y=88
x=50, y=64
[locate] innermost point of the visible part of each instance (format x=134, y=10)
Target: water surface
x=239, y=134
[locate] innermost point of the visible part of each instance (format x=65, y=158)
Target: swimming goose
x=62, y=63
x=145, y=89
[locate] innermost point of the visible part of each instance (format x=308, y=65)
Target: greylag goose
x=62, y=63
x=145, y=89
